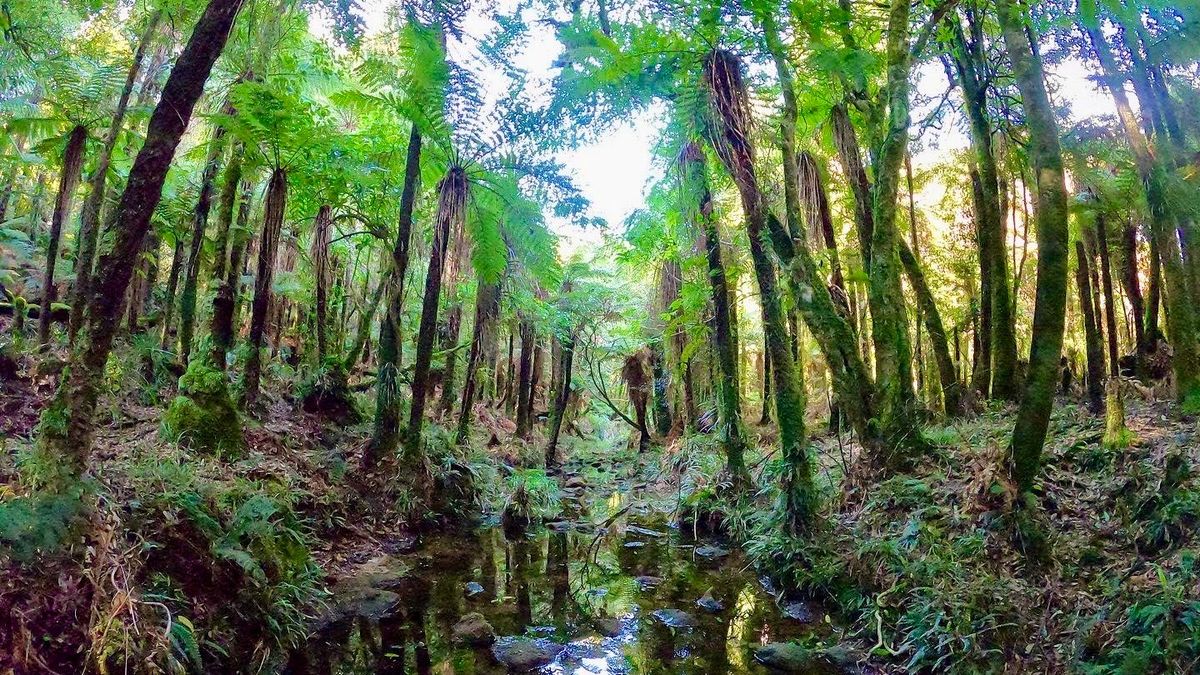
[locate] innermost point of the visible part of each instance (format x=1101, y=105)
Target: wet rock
x=609, y=626
x=575, y=482
x=708, y=603
x=800, y=611
x=352, y=600
x=634, y=544
x=646, y=532
x=474, y=630
x=523, y=654
x=404, y=543
x=473, y=588
x=789, y=657
x=709, y=552
x=675, y=618
x=647, y=582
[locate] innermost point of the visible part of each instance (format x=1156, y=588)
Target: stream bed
x=631, y=595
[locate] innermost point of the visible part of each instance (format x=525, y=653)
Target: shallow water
x=621, y=599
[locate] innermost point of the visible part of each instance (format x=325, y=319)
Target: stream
x=636, y=596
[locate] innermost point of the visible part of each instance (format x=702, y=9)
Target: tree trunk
x=225, y=300
x=365, y=318
x=72, y=165
x=563, y=389
x=80, y=388
x=969, y=62
x=452, y=199
x=729, y=409
x=1095, y=353
x=1131, y=282
x=89, y=227
x=320, y=258
x=268, y=245
x=169, y=299
x=731, y=140
x=191, y=277
x=523, y=380
x=1181, y=319
x=981, y=373
x=386, y=434
x=662, y=411
x=450, y=344
x=1033, y=417
x=487, y=309
x=951, y=394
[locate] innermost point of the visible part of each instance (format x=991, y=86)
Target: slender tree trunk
x=320, y=258
x=452, y=199
x=1133, y=290
x=662, y=411
x=172, y=285
x=487, y=309
x=89, y=227
x=453, y=328
x=524, y=374
x=1154, y=298
x=191, y=277
x=80, y=388
x=981, y=373
x=1115, y=433
x=731, y=140
x=268, y=245
x=1095, y=353
x=1181, y=318
x=386, y=434
x=563, y=390
x=72, y=165
x=1033, y=416
x=226, y=299
x=365, y=318
x=729, y=409
x=969, y=60
x=951, y=394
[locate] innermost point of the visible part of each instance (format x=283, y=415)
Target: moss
x=203, y=417
x=328, y=394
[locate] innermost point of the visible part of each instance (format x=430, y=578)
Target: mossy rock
x=328, y=394
x=203, y=417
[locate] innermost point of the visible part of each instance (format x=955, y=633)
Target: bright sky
x=615, y=172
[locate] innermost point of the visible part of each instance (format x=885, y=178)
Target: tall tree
x=89, y=228
x=268, y=247
x=1033, y=416
x=68, y=179
x=68, y=424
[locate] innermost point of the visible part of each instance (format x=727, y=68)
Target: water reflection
x=620, y=601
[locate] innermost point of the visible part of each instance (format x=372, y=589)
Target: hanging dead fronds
x=731, y=123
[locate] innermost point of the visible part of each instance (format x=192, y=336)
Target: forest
x=599, y=336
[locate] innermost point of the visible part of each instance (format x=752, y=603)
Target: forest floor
x=192, y=557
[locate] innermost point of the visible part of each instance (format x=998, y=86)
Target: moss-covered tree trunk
x=169, y=296
x=68, y=179
x=1095, y=353
x=366, y=317
x=1181, y=317
x=452, y=330
x=451, y=210
x=729, y=408
x=322, y=228
x=1131, y=282
x=228, y=295
x=89, y=225
x=225, y=273
x=524, y=392
x=191, y=274
x=562, y=389
x=1033, y=416
x=68, y=423
x=951, y=389
x=268, y=246
x=972, y=72
x=662, y=409
x=483, y=338
x=731, y=141
x=385, y=436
